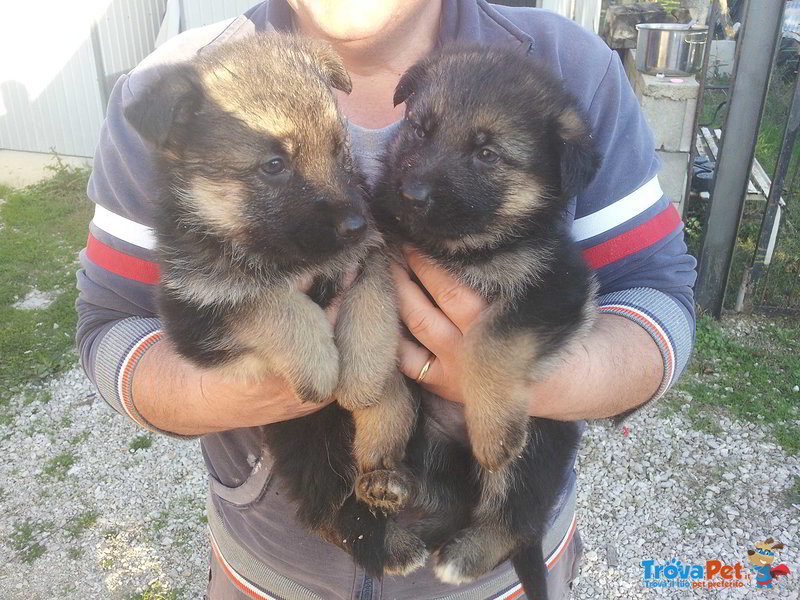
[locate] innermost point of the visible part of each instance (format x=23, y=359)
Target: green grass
x=26, y=540
x=751, y=377
x=141, y=442
x=81, y=523
x=58, y=466
x=74, y=553
x=155, y=591
x=44, y=227
x=161, y=521
x=79, y=438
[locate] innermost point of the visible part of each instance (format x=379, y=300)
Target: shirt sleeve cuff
x=117, y=356
x=663, y=319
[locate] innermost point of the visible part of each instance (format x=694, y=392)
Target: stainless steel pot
x=670, y=48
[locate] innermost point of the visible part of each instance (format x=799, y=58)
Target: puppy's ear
x=333, y=69
x=408, y=83
x=168, y=102
x=579, y=160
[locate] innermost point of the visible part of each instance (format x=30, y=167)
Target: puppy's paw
x=461, y=561
x=386, y=489
x=494, y=452
x=318, y=382
x=405, y=552
x=314, y=395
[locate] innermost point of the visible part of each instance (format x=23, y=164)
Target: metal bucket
x=670, y=48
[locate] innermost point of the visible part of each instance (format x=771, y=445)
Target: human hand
x=615, y=368
x=439, y=329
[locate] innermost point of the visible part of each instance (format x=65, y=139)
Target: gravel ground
x=85, y=516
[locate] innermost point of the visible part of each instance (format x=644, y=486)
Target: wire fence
x=778, y=290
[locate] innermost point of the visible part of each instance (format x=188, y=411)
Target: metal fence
x=745, y=230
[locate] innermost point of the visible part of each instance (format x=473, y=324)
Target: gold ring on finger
x=425, y=368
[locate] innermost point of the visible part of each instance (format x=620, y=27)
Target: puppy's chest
x=502, y=275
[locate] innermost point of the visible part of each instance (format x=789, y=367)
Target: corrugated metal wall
x=65, y=116
x=66, y=112
x=197, y=13
x=126, y=34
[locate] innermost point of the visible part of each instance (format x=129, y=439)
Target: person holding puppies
x=628, y=230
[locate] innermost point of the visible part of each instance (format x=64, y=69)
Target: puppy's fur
x=261, y=196
x=478, y=178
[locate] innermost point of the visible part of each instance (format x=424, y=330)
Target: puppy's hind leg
x=378, y=544
x=314, y=457
x=488, y=541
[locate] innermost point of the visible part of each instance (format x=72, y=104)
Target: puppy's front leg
x=292, y=337
x=499, y=363
x=367, y=335
x=381, y=435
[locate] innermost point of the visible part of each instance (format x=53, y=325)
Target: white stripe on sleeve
x=124, y=229
x=619, y=212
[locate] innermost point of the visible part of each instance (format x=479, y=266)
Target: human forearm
x=638, y=345
x=173, y=395
x=614, y=369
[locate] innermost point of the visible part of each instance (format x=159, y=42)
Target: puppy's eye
x=419, y=132
x=273, y=167
x=488, y=156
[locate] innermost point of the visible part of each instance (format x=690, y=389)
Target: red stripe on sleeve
x=120, y=263
x=630, y=242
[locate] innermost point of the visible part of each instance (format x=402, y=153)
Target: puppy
x=260, y=196
x=478, y=178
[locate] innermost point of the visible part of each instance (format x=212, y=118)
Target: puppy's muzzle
x=416, y=197
x=351, y=228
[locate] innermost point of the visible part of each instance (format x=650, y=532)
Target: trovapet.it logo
x=710, y=574
x=758, y=571
x=761, y=560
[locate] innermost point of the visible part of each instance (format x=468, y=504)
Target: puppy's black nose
x=351, y=227
x=416, y=196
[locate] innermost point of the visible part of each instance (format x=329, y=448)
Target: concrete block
x=671, y=122
x=675, y=88
x=668, y=104
x=672, y=176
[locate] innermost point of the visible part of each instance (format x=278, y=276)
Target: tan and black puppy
x=260, y=196
x=478, y=178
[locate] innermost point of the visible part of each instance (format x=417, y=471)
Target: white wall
x=60, y=58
